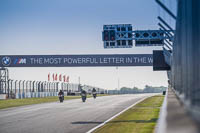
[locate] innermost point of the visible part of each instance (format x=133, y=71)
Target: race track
x=72, y=116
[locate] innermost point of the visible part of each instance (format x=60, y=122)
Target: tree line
x=147, y=89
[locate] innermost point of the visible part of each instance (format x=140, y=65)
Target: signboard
x=76, y=60
x=159, y=63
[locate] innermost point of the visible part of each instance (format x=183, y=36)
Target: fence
x=185, y=65
x=29, y=89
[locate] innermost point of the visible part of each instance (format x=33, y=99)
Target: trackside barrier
x=36, y=89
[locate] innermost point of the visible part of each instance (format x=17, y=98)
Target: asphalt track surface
x=72, y=116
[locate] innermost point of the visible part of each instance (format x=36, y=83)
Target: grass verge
x=141, y=118
x=28, y=101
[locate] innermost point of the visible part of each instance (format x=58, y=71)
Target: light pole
x=79, y=84
x=118, y=80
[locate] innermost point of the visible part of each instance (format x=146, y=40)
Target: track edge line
x=100, y=125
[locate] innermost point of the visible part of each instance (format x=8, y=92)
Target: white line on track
x=100, y=125
x=161, y=124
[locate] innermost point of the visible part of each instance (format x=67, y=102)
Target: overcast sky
x=36, y=27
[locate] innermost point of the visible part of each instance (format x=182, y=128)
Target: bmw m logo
x=6, y=61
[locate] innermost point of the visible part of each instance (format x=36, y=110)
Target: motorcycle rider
x=83, y=95
x=61, y=96
x=94, y=92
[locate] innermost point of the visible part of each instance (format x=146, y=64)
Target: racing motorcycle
x=94, y=95
x=83, y=96
x=61, y=97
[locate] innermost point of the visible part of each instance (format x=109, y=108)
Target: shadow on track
x=86, y=122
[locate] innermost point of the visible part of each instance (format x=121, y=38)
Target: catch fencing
x=29, y=89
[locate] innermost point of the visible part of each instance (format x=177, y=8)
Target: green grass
x=28, y=101
x=141, y=118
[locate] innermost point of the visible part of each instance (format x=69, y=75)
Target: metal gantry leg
x=4, y=81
